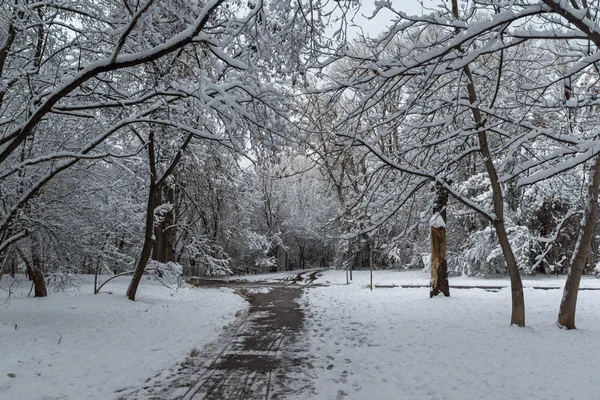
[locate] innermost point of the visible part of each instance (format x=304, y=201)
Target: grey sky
x=378, y=24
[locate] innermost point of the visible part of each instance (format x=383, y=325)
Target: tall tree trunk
x=516, y=285
x=439, y=265
x=148, y=242
x=164, y=232
x=568, y=304
x=163, y=249
x=13, y=266
x=158, y=246
x=302, y=259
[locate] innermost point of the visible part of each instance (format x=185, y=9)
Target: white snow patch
x=399, y=343
x=262, y=290
x=436, y=221
x=270, y=276
x=75, y=345
x=421, y=277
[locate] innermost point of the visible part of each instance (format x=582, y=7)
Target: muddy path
x=261, y=356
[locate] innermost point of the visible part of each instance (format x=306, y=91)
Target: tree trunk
x=2, y=269
x=568, y=304
x=39, y=283
x=13, y=266
x=516, y=285
x=301, y=256
x=439, y=265
x=148, y=240
x=163, y=248
x=158, y=245
x=8, y=264
x=518, y=300
x=281, y=258
x=164, y=232
x=37, y=276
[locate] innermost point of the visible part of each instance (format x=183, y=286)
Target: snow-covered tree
x=77, y=77
x=460, y=92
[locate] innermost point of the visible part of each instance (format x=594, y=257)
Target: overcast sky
x=378, y=24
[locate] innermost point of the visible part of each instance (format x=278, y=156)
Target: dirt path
x=261, y=356
x=254, y=363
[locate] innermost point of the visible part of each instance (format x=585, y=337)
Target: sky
x=378, y=24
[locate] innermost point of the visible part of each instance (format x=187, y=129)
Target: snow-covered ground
x=389, y=343
x=414, y=277
x=76, y=345
x=400, y=344
x=418, y=277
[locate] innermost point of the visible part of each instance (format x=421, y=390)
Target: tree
x=156, y=185
x=448, y=78
x=439, y=263
x=67, y=92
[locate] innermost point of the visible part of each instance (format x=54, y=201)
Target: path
x=254, y=359
x=253, y=365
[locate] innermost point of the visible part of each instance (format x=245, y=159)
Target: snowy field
x=389, y=343
x=399, y=344
x=76, y=345
x=413, y=277
x=418, y=277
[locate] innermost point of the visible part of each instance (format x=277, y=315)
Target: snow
x=437, y=221
x=382, y=344
x=586, y=150
x=270, y=277
x=572, y=102
x=419, y=277
x=399, y=343
x=261, y=290
x=74, y=345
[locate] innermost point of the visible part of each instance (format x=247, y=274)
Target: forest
x=219, y=137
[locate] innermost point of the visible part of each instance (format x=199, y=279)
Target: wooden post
x=371, y=264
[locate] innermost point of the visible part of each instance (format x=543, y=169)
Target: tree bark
x=164, y=244
x=39, y=283
x=516, y=285
x=281, y=258
x=153, y=196
x=568, y=304
x=148, y=237
x=158, y=246
x=37, y=275
x=518, y=300
x=164, y=232
x=439, y=265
